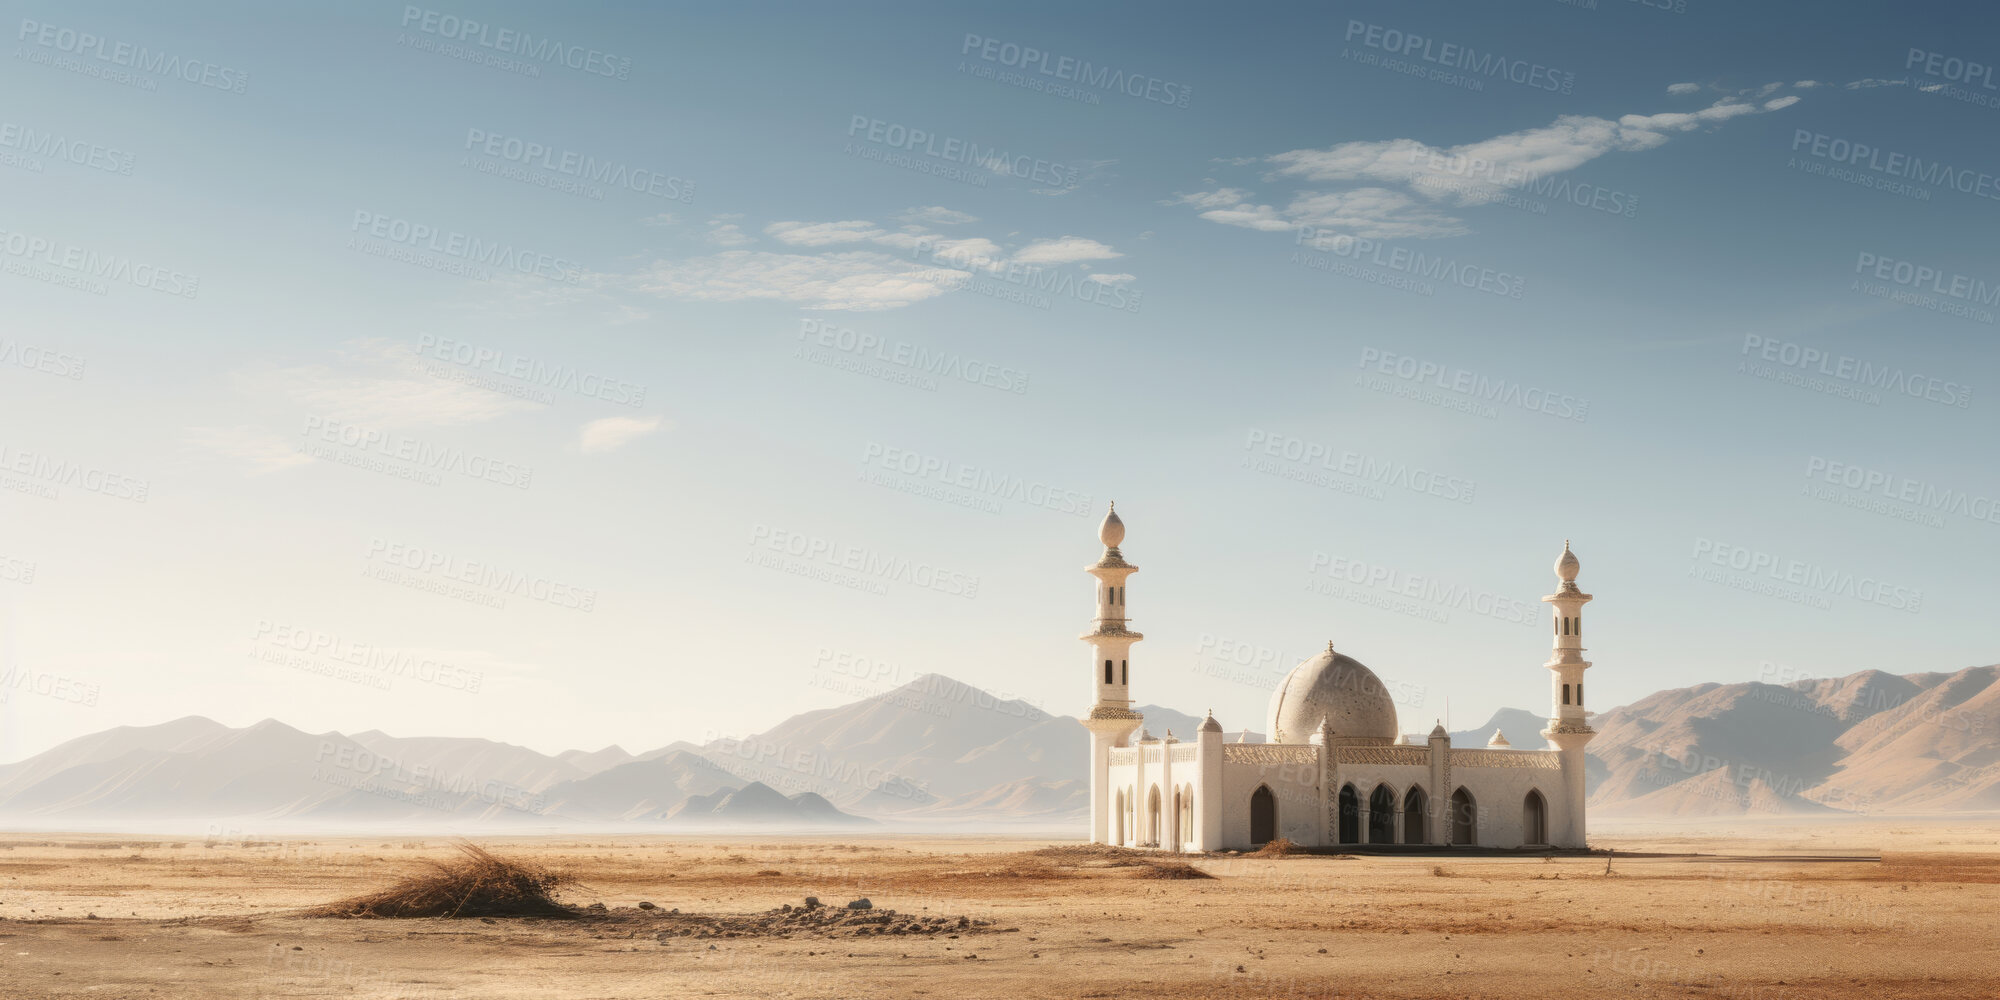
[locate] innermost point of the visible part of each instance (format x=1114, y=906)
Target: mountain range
x=939, y=751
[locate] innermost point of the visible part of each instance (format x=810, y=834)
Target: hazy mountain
x=756, y=805
x=1522, y=727
x=939, y=750
x=639, y=789
x=1867, y=742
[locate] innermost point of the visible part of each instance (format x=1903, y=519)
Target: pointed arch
x=1534, y=818
x=1263, y=816
x=1382, y=815
x=1416, y=809
x=1350, y=815
x=1464, y=819
x=1153, y=817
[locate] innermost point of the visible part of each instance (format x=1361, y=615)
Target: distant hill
x=938, y=750
x=1867, y=742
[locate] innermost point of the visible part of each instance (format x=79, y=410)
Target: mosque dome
x=1336, y=688
x=1567, y=566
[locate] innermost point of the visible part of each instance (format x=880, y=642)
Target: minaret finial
x=1329, y=645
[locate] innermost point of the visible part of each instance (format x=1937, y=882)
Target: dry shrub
x=1278, y=848
x=474, y=884
x=1171, y=869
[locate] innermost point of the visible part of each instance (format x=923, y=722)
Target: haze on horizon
x=361, y=378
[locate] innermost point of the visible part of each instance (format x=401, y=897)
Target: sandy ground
x=1754, y=911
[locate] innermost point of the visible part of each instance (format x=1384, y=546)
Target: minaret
x=1568, y=729
x=1111, y=719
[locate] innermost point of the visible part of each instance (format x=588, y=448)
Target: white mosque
x=1336, y=769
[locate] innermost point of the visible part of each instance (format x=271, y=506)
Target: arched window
x=1576, y=625
x=1350, y=815
x=1124, y=673
x=1534, y=819
x=1119, y=833
x=1565, y=694
x=1107, y=671
x=1415, y=807
x=1263, y=816
x=1382, y=816
x=1579, y=692
x=1464, y=819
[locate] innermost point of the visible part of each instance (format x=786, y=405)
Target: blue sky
x=364, y=370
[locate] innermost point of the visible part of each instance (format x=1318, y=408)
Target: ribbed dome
x=1567, y=565
x=1337, y=688
x=1112, y=531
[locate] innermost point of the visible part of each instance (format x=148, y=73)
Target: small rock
x=646, y=906
x=488, y=920
x=812, y=902
x=596, y=908
x=860, y=904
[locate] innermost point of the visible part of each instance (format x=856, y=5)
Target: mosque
x=1336, y=769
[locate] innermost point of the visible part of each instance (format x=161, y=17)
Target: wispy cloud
x=612, y=433
x=264, y=451
x=1405, y=188
x=377, y=383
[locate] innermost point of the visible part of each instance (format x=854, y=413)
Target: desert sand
x=1778, y=909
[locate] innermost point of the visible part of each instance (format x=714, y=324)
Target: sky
x=589, y=374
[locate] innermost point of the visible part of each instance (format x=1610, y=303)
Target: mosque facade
x=1336, y=768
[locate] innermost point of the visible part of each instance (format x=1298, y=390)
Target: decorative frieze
x=1411, y=756
x=1545, y=760
x=1269, y=753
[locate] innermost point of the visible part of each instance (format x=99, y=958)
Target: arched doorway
x=1534, y=819
x=1350, y=815
x=1153, y=817
x=1415, y=805
x=1382, y=816
x=1263, y=816
x=1187, y=815
x=1464, y=818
